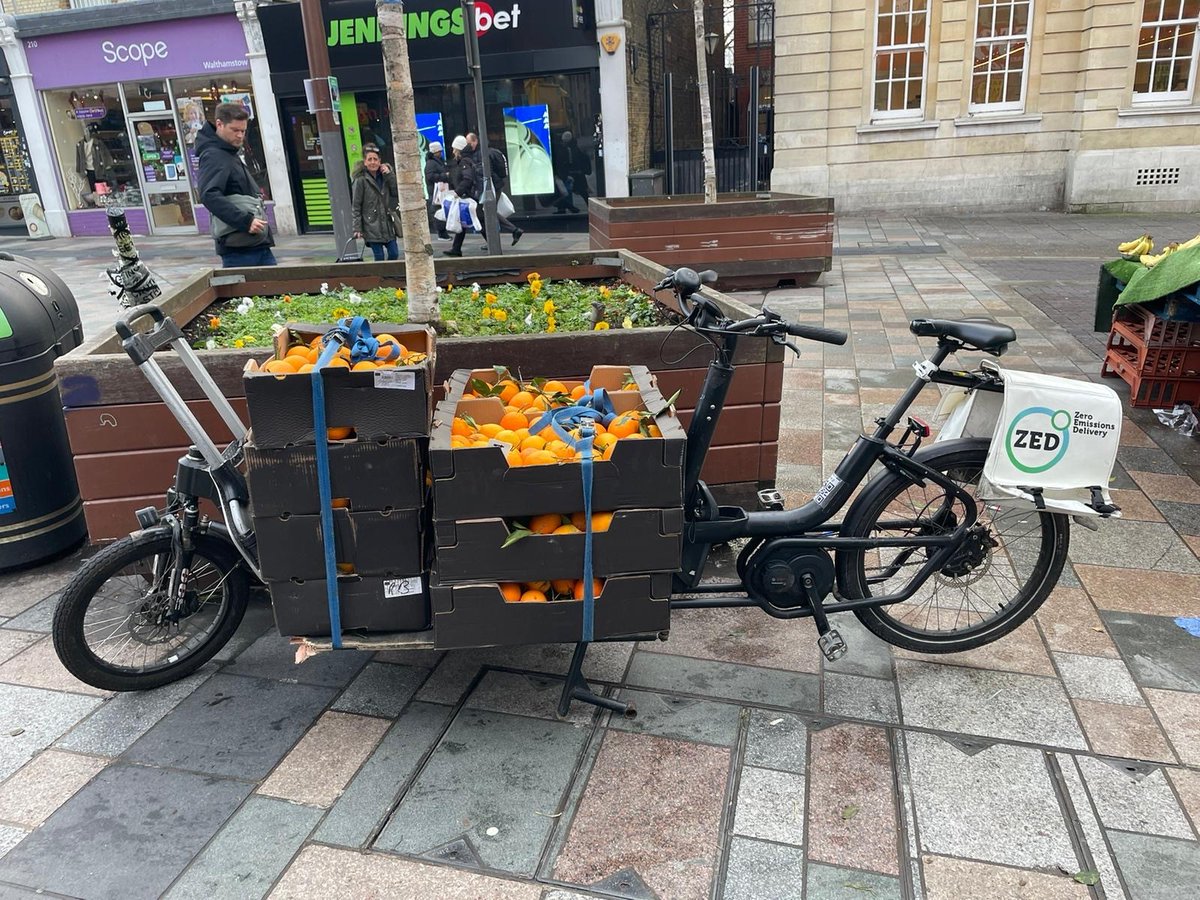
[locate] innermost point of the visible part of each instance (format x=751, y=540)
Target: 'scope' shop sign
x=212, y=45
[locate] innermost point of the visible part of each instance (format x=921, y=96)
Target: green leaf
x=482, y=388
x=518, y=533
x=1088, y=877
x=470, y=421
x=670, y=404
x=501, y=373
x=849, y=812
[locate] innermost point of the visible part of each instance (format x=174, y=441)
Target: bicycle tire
x=70, y=617
x=962, y=460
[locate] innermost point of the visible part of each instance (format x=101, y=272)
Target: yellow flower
x=474, y=295
x=248, y=338
x=399, y=294
x=490, y=298
x=486, y=312
x=601, y=326
x=287, y=298
x=548, y=307
x=499, y=315
x=340, y=313
x=535, y=288
x=628, y=323
x=605, y=291
x=551, y=327
x=214, y=322
x=449, y=287
x=239, y=343
x=532, y=277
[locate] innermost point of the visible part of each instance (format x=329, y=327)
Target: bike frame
x=708, y=524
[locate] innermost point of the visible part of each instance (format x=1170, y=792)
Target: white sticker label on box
x=395, y=380
x=503, y=445
x=401, y=587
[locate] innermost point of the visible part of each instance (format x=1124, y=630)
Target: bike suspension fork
x=183, y=526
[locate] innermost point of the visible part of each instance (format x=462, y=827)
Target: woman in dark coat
x=462, y=182
x=374, y=202
x=435, y=172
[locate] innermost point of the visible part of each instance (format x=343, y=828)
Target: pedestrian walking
x=499, y=167
x=374, y=199
x=436, y=174
x=229, y=192
x=462, y=182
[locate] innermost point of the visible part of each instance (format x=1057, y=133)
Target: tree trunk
x=420, y=278
x=706, y=120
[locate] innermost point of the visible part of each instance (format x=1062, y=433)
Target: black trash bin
x=40, y=511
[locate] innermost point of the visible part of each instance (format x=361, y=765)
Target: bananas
x=1189, y=244
x=1152, y=261
x=1138, y=246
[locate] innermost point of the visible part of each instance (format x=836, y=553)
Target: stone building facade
x=989, y=104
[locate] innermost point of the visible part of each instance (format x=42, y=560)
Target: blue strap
x=355, y=333
x=333, y=343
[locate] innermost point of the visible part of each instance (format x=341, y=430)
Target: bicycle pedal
x=832, y=645
x=771, y=499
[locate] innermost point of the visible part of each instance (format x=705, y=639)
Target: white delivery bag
x=1054, y=441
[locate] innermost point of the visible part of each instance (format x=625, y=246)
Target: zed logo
x=1037, y=438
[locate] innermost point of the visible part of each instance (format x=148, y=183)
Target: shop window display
x=16, y=170
x=91, y=140
x=196, y=101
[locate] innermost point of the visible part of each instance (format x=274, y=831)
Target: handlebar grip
x=817, y=333
x=124, y=325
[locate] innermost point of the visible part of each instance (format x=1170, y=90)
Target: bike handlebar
x=817, y=333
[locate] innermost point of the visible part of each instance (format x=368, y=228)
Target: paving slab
x=1021, y=651
x=997, y=805
x=44, y=784
x=370, y=796
x=760, y=870
x=1118, y=730
x=495, y=781
x=746, y=636
x=258, y=620
x=1175, y=487
x=128, y=833
x=13, y=642
x=233, y=726
x=1159, y=652
x=1129, y=798
x=39, y=666
x=39, y=617
x=381, y=689
x=680, y=717
x=124, y=718
x=1097, y=678
x=248, y=853
x=32, y=718
x=1142, y=591
x=1179, y=714
x=10, y=836
x=271, y=656
x=833, y=883
x=318, y=768
x=947, y=878
x=1157, y=868
x=770, y=806
x=22, y=589
x=1134, y=545
x=746, y=684
x=1071, y=624
x=1080, y=805
x=652, y=808
x=1187, y=786
x=351, y=875
x=857, y=697
x=993, y=704
x=851, y=802
x=865, y=653
x=777, y=740
x=524, y=694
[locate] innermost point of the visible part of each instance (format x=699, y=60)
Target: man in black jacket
x=223, y=175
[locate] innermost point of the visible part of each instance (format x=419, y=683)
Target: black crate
x=631, y=607
x=367, y=603
x=375, y=475
x=379, y=404
x=637, y=541
x=375, y=542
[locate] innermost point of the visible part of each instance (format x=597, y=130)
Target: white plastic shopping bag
x=504, y=206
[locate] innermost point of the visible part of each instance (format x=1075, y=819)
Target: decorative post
x=132, y=283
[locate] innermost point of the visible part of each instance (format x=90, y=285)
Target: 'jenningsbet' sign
x=424, y=23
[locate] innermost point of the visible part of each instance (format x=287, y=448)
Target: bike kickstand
x=576, y=688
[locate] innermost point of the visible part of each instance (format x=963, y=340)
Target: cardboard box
x=375, y=542
x=380, y=404
x=631, y=607
x=477, y=482
x=371, y=475
x=637, y=541
x=366, y=604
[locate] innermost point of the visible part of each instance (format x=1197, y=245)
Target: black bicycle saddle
x=978, y=334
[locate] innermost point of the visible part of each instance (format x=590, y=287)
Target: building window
x=762, y=23
x=899, y=58
x=1001, y=54
x=1166, y=53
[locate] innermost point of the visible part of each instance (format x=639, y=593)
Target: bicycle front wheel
x=118, y=628
x=1006, y=567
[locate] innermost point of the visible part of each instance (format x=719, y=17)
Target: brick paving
x=754, y=770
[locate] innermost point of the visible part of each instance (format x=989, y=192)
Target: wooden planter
x=125, y=442
x=750, y=240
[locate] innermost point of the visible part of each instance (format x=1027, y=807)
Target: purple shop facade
x=204, y=46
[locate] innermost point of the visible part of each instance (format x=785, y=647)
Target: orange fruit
x=509, y=437
x=508, y=390
x=563, y=586
x=623, y=425
x=345, y=568
x=339, y=503
x=511, y=591
x=600, y=521
x=306, y=368
x=578, y=391
x=554, y=387
x=521, y=399
x=566, y=529
x=536, y=442
x=513, y=421
x=608, y=451
x=365, y=366
x=339, y=433
x=597, y=588
x=315, y=342
x=490, y=429
x=542, y=586
x=298, y=350
x=338, y=363
x=278, y=367
x=540, y=458
x=563, y=452
x=533, y=597
x=514, y=458
x=314, y=354
x=386, y=341
x=539, y=402
x=603, y=441
x=521, y=434
x=636, y=436
x=457, y=441
x=460, y=426
x=655, y=431
x=545, y=523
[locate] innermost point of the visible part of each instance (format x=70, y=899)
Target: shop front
x=16, y=169
x=541, y=95
x=124, y=106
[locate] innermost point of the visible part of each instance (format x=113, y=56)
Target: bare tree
x=420, y=278
x=706, y=119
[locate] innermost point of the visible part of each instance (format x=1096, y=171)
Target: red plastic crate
x=1139, y=325
x=1151, y=386
x=1159, y=359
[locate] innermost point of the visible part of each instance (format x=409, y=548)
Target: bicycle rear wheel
x=1007, y=566
x=116, y=628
